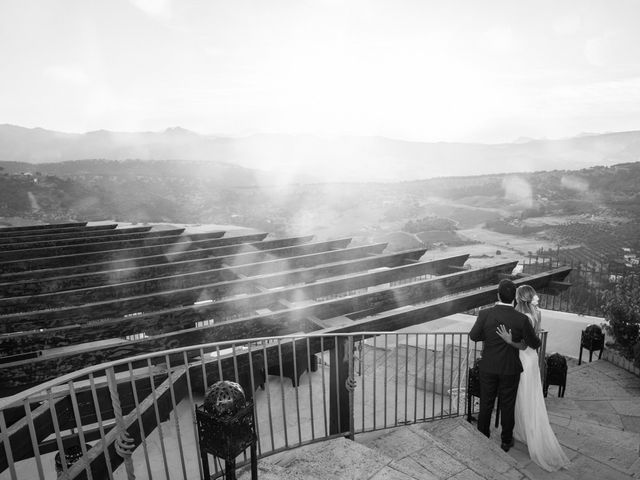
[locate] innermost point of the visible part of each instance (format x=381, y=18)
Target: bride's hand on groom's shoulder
x=504, y=334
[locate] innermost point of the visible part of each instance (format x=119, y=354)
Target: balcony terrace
x=105, y=338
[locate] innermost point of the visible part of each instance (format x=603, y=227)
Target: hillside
x=456, y=210
x=312, y=158
x=88, y=170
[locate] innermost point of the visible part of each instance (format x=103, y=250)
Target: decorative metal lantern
x=556, y=373
x=226, y=427
x=473, y=390
x=72, y=454
x=473, y=387
x=592, y=339
x=224, y=399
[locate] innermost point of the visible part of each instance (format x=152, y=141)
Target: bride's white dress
x=532, y=421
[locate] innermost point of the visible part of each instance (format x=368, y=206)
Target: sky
x=486, y=71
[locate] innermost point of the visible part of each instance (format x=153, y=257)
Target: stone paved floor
x=596, y=423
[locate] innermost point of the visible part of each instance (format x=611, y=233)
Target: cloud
x=500, y=39
x=568, y=24
x=612, y=49
x=71, y=74
x=155, y=8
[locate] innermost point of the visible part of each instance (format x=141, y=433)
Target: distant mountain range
x=322, y=158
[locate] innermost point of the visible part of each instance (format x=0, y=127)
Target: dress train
x=531, y=419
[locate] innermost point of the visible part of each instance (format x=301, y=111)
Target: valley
x=589, y=214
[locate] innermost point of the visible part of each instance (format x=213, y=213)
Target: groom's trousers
x=505, y=387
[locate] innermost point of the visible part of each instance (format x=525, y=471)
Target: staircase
x=597, y=423
x=402, y=453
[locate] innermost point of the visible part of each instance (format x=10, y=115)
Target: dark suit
x=500, y=365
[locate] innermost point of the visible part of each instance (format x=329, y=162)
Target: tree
x=621, y=307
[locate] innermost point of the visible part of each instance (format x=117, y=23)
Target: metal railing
x=589, y=284
x=85, y=418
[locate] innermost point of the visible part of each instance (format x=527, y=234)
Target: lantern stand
x=473, y=390
x=592, y=339
x=556, y=374
x=226, y=428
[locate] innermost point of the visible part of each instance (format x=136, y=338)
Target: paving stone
x=631, y=424
x=606, y=435
x=467, y=474
x=595, y=406
x=388, y=473
x=634, y=391
x=472, y=444
x=555, y=419
x=559, y=403
x=463, y=442
x=595, y=391
x=534, y=472
x=614, y=372
x=410, y=467
x=627, y=407
x=269, y=471
x=520, y=453
x=438, y=462
x=584, y=467
x=565, y=416
x=396, y=443
x=635, y=468
x=337, y=458
x=592, y=447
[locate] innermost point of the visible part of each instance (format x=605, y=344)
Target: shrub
x=621, y=307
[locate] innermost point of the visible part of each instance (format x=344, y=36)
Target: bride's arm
x=505, y=335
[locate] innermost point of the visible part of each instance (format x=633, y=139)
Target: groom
x=500, y=365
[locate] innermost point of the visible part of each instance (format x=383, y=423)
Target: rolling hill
x=309, y=158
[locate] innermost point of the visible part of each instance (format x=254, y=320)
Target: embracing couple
x=509, y=370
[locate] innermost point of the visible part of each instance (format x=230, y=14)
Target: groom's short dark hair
x=506, y=291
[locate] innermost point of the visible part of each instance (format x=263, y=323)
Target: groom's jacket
x=497, y=355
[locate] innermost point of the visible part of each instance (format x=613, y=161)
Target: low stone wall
x=614, y=357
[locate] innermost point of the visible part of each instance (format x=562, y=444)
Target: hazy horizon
x=471, y=72
x=520, y=139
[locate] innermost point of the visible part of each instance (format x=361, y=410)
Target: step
x=338, y=458
x=415, y=446
x=464, y=441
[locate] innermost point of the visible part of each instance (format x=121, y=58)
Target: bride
x=531, y=419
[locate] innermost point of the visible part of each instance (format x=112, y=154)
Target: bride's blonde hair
x=525, y=295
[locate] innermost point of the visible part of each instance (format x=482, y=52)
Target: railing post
x=340, y=416
x=350, y=386
x=123, y=444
